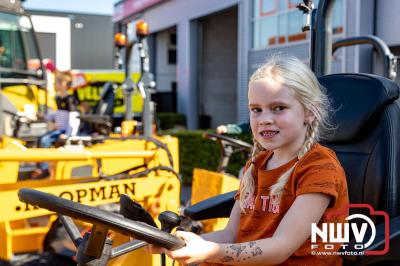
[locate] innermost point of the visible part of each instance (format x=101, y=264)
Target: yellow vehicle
x=23, y=92
x=154, y=184
x=92, y=82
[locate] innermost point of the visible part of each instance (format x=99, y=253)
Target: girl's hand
x=197, y=249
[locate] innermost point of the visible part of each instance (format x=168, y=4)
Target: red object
x=78, y=80
x=49, y=65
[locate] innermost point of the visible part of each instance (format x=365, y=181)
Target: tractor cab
x=23, y=92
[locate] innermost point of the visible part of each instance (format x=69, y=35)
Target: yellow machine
x=143, y=172
x=23, y=228
x=23, y=93
x=91, y=82
x=94, y=171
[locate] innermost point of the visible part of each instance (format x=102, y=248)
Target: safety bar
x=44, y=155
x=389, y=60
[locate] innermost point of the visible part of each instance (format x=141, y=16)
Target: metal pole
x=312, y=39
x=127, y=86
x=146, y=84
x=323, y=38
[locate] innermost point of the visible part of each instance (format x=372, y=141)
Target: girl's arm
x=292, y=232
x=227, y=235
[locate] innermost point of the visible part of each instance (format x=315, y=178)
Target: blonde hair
x=64, y=76
x=294, y=74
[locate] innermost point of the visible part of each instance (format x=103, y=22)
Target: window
x=266, y=8
x=172, y=56
x=171, y=52
x=173, y=86
x=279, y=21
x=172, y=38
x=18, y=50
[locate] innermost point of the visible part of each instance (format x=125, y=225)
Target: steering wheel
x=224, y=140
x=228, y=147
x=100, y=217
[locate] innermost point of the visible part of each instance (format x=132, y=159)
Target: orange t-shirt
x=317, y=171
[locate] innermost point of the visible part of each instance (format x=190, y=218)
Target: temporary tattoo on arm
x=257, y=251
x=241, y=252
x=227, y=259
x=238, y=248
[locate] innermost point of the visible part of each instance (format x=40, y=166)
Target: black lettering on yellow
x=114, y=190
x=94, y=194
x=27, y=207
x=68, y=195
x=81, y=194
x=130, y=188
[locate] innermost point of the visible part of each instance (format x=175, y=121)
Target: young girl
x=290, y=182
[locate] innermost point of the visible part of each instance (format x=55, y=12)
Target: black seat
x=106, y=104
x=365, y=138
x=101, y=119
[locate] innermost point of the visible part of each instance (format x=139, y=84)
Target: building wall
x=357, y=16
x=218, y=67
x=183, y=15
x=388, y=21
x=88, y=41
x=47, y=45
x=300, y=49
x=244, y=36
x=174, y=12
x=92, y=41
x=365, y=27
x=165, y=73
x=60, y=27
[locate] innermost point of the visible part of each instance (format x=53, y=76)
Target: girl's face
x=61, y=85
x=277, y=118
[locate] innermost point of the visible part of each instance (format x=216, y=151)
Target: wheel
x=100, y=217
x=236, y=143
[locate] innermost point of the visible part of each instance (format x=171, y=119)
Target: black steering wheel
x=100, y=217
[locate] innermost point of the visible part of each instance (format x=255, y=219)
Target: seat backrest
x=366, y=134
x=106, y=104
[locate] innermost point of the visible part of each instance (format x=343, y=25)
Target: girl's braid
x=247, y=185
x=312, y=131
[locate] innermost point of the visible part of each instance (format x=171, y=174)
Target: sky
x=104, y=7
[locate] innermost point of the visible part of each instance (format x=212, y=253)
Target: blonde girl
x=289, y=183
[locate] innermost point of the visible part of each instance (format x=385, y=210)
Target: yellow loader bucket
x=207, y=184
